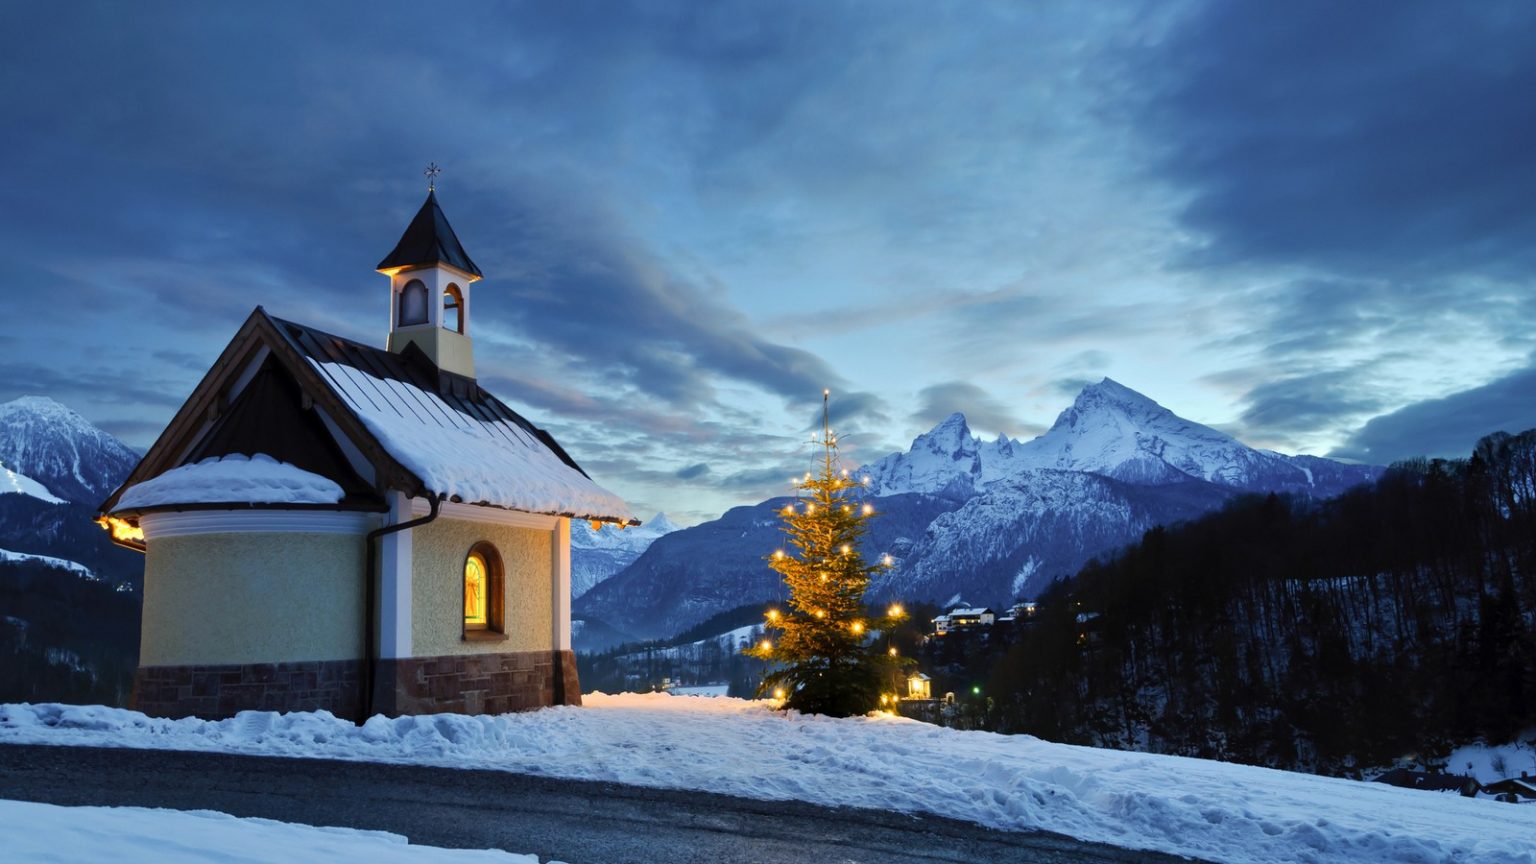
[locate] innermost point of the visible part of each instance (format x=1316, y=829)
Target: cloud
x=981, y=409
x=1279, y=408
x=183, y=359
x=1326, y=353
x=580, y=284
x=848, y=412
x=1448, y=426
x=1367, y=138
x=132, y=430
x=916, y=202
x=1071, y=386
x=693, y=472
x=100, y=386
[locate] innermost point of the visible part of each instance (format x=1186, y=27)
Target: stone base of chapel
x=217, y=692
x=476, y=683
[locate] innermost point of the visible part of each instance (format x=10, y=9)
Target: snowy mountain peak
x=946, y=457
x=1111, y=394
x=953, y=421
x=54, y=445
x=1115, y=431
x=953, y=437
x=660, y=524
x=42, y=407
x=598, y=554
x=1110, y=430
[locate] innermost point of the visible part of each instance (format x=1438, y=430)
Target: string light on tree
x=822, y=662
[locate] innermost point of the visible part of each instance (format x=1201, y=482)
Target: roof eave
x=627, y=522
x=131, y=514
x=457, y=271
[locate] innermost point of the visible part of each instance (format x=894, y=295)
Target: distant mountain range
x=55, y=467
x=598, y=554
x=1111, y=431
x=61, y=450
x=984, y=521
x=69, y=599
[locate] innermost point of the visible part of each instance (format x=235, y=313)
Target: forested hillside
x=1399, y=618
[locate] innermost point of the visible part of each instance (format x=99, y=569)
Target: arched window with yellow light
x=482, y=590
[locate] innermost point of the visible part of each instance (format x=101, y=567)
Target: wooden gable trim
x=192, y=416
x=389, y=473
x=208, y=397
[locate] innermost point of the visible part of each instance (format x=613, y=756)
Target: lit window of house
x=482, y=589
x=474, y=592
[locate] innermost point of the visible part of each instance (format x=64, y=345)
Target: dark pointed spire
x=429, y=240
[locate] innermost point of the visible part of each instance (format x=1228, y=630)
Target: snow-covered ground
x=701, y=690
x=1210, y=810
x=74, y=567
x=1488, y=763
x=37, y=833
x=17, y=483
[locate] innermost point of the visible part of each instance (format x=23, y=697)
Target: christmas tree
x=823, y=663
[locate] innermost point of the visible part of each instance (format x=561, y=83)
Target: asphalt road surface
x=574, y=821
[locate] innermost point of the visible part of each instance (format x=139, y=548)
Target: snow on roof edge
x=465, y=458
x=231, y=479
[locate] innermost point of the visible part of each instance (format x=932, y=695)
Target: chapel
x=334, y=525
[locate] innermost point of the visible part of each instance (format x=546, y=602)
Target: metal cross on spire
x=432, y=172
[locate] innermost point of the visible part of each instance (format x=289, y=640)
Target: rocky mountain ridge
x=990, y=521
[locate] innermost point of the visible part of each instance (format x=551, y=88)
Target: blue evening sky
x=1311, y=224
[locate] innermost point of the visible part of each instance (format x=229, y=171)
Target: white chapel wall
x=437, y=587
x=252, y=597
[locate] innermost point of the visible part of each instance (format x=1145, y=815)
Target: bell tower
x=429, y=279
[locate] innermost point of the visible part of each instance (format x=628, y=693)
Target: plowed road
x=579, y=822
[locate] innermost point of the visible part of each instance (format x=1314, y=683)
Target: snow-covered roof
x=368, y=419
x=491, y=461
x=232, y=479
x=967, y=613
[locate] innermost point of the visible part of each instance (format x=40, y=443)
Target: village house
x=334, y=525
x=963, y=618
x=1515, y=790
x=1408, y=779
x=1021, y=612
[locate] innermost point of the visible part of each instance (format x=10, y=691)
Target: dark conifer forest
x=1398, y=619
x=65, y=639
